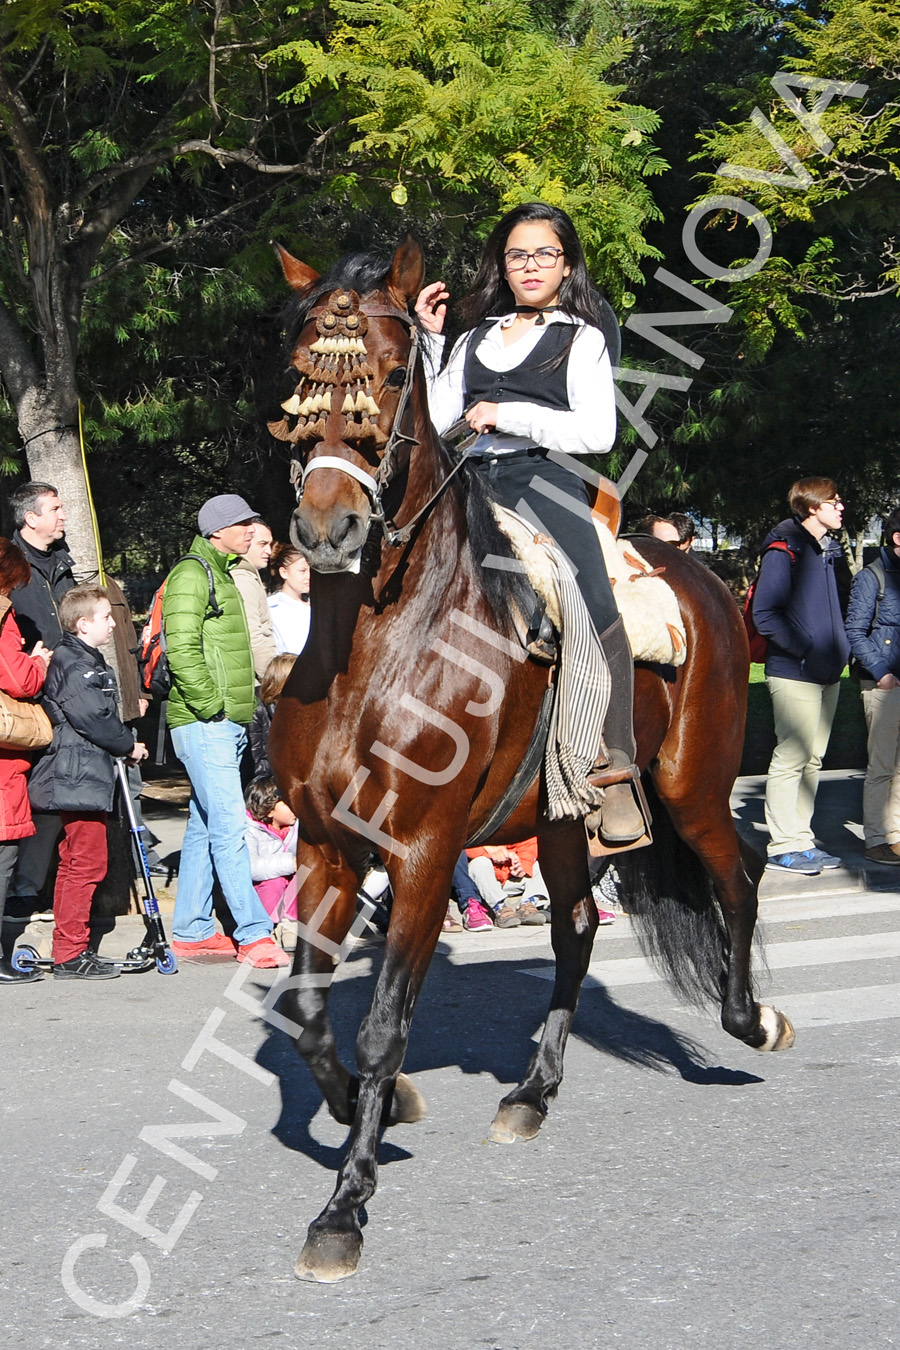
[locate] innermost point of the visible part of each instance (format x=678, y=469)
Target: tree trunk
x=854, y=549
x=54, y=456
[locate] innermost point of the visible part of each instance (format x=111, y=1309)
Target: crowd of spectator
x=228, y=667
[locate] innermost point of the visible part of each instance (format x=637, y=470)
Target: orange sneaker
x=264, y=953
x=217, y=947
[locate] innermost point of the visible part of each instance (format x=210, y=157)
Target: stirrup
x=613, y=767
x=606, y=834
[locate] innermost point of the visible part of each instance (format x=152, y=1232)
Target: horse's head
x=354, y=355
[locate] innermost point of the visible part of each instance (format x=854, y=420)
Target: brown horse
x=411, y=709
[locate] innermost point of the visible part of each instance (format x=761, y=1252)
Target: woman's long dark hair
x=578, y=296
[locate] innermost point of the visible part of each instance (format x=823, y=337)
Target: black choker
x=540, y=321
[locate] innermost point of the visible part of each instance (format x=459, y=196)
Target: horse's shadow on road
x=481, y=1018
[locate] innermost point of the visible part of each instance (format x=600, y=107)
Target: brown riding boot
x=621, y=820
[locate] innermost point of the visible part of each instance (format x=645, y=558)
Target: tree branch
x=17, y=120
x=154, y=159
x=211, y=78
x=13, y=252
x=164, y=245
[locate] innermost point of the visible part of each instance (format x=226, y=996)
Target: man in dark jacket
x=40, y=521
x=796, y=608
x=77, y=776
x=41, y=535
x=873, y=627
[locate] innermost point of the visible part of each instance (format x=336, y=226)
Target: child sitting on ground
x=271, y=836
x=509, y=879
x=77, y=776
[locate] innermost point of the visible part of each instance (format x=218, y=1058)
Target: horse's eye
x=396, y=377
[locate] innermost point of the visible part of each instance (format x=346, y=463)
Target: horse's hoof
x=779, y=1034
x=516, y=1121
x=329, y=1257
x=408, y=1105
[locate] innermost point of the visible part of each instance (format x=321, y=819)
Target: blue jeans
x=214, y=839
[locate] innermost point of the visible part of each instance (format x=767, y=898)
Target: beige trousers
x=803, y=713
x=881, y=793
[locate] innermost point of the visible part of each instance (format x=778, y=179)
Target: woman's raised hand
x=431, y=307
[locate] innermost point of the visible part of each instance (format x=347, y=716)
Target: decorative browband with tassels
x=335, y=361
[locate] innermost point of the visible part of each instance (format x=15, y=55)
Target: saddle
x=647, y=604
x=656, y=633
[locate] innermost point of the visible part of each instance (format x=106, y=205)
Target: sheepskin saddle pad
x=646, y=602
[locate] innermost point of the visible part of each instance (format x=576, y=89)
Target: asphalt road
x=685, y=1190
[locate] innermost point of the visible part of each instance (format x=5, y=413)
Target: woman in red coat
x=21, y=676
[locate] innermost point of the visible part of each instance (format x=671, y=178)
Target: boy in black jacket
x=77, y=777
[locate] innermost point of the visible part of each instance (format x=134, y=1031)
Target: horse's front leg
x=326, y=905
x=334, y=1241
x=573, y=917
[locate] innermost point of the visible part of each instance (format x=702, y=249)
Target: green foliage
x=151, y=125
x=470, y=98
x=851, y=187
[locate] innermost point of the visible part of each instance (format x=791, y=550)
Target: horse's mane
x=507, y=592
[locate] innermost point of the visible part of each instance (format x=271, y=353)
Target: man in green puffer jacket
x=210, y=704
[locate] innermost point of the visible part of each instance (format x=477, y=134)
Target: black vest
x=536, y=380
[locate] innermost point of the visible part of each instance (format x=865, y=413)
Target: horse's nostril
x=301, y=532
x=349, y=524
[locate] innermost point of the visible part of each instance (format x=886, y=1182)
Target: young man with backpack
x=797, y=610
x=873, y=627
x=211, y=702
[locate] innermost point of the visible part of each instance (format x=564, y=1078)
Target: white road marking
x=616, y=974
x=848, y=906
x=835, y=1007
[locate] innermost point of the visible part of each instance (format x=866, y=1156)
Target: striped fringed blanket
x=579, y=707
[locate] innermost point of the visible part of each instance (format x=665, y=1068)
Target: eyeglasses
x=833, y=501
x=517, y=258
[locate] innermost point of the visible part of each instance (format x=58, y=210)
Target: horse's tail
x=670, y=896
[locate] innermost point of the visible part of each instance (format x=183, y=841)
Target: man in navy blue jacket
x=873, y=627
x=796, y=608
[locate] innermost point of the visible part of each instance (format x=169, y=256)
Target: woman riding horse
x=412, y=708
x=533, y=375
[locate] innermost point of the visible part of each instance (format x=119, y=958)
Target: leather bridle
x=376, y=484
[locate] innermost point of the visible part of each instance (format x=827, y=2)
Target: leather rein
x=375, y=484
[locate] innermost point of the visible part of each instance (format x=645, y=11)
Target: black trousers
x=561, y=510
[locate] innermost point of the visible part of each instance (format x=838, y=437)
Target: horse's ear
x=404, y=281
x=296, y=273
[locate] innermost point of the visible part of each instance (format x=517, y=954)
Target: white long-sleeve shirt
x=587, y=427
x=290, y=622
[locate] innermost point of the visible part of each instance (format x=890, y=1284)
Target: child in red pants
x=77, y=776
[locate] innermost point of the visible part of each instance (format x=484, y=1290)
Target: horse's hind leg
x=334, y=1241
x=573, y=914
x=704, y=822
